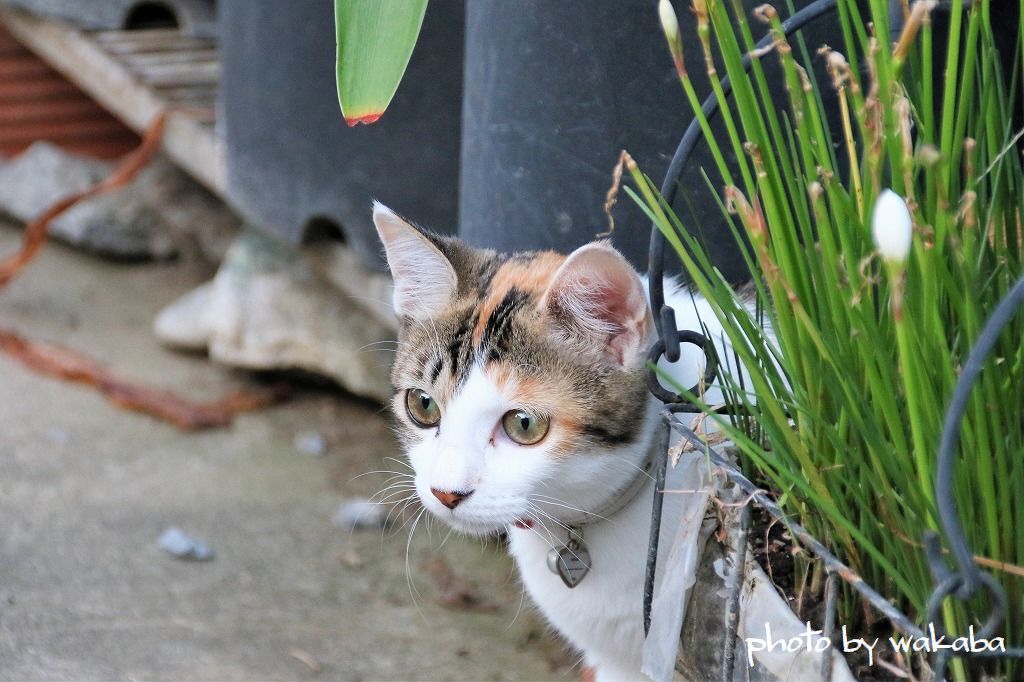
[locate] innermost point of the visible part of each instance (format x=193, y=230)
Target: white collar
x=622, y=497
x=572, y=561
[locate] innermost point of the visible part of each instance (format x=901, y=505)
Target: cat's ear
x=424, y=277
x=597, y=296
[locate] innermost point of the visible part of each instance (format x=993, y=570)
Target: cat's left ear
x=598, y=297
x=423, y=276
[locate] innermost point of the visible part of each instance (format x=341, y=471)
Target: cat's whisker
x=430, y=528
x=403, y=480
x=394, y=483
x=371, y=348
x=564, y=527
x=567, y=529
x=549, y=543
x=379, y=471
x=386, y=303
x=433, y=330
x=546, y=499
x=395, y=497
x=437, y=334
x=638, y=468
x=403, y=476
x=414, y=593
x=546, y=540
x=412, y=500
x=397, y=484
x=449, y=534
x=515, y=616
x=397, y=510
x=538, y=515
x=393, y=342
x=401, y=462
x=392, y=512
x=391, y=495
x=555, y=500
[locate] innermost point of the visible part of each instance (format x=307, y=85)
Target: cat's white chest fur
x=603, y=615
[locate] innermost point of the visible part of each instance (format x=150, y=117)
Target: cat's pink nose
x=451, y=499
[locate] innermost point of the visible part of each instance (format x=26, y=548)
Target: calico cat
x=521, y=401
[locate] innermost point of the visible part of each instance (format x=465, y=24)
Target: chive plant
x=874, y=269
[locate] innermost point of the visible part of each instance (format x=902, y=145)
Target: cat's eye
x=422, y=409
x=524, y=427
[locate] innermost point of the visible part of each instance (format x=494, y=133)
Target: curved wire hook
x=970, y=574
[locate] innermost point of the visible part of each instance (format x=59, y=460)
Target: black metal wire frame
x=962, y=583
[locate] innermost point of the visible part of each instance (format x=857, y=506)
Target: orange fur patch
x=544, y=396
x=532, y=276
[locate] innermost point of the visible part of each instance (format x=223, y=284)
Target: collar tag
x=571, y=563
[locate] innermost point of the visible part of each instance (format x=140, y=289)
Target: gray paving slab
x=86, y=489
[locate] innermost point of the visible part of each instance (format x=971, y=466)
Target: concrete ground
x=87, y=488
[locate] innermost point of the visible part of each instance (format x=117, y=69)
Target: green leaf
x=375, y=41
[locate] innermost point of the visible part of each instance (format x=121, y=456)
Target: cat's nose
x=451, y=499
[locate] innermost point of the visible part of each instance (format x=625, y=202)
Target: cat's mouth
x=471, y=526
x=478, y=521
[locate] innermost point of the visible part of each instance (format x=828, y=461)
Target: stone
x=153, y=217
x=342, y=267
x=358, y=514
x=198, y=220
x=181, y=545
x=185, y=324
x=58, y=436
x=267, y=309
x=116, y=224
x=310, y=443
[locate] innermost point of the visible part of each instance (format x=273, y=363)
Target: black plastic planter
x=553, y=91
x=293, y=165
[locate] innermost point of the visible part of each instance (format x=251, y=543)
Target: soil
x=773, y=548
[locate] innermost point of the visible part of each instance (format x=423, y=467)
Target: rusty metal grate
x=136, y=74
x=37, y=103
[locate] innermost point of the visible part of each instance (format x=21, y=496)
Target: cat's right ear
x=424, y=278
x=597, y=296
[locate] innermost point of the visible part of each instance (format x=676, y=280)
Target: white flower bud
x=670, y=25
x=892, y=227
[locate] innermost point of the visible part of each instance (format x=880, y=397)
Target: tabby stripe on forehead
x=460, y=349
x=487, y=271
x=498, y=324
x=434, y=370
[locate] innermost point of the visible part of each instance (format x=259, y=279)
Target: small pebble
x=310, y=443
x=360, y=515
x=180, y=544
x=58, y=436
